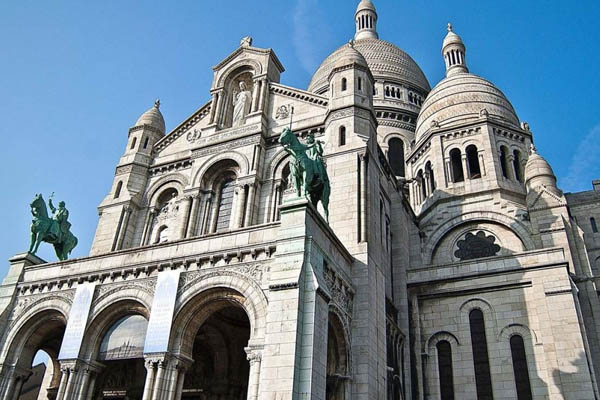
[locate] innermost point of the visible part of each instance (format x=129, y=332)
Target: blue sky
x=75, y=76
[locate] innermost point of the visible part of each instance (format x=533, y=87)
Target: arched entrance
x=43, y=332
x=119, y=348
x=215, y=336
x=337, y=360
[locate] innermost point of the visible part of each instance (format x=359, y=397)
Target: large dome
x=463, y=97
x=385, y=60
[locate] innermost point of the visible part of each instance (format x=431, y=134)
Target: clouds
x=585, y=164
x=310, y=28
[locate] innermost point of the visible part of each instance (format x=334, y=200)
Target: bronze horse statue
x=309, y=174
x=50, y=230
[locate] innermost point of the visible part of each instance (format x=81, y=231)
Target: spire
x=454, y=51
x=366, y=21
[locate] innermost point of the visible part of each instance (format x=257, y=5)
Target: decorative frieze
x=342, y=293
x=226, y=135
x=223, y=147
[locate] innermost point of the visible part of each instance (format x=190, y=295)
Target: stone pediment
x=184, y=128
x=542, y=198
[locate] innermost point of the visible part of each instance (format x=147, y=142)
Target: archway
x=220, y=369
x=42, y=333
x=337, y=360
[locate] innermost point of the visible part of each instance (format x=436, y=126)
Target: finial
x=246, y=41
x=449, y=27
x=532, y=149
x=157, y=103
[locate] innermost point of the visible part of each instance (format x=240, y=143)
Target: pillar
x=214, y=208
x=263, y=93
x=255, y=95
x=193, y=220
x=70, y=384
x=18, y=386
x=148, y=225
x=64, y=377
x=149, y=384
x=481, y=163
x=255, y=357
x=510, y=167
x=205, y=212
x=159, y=381
x=91, y=387
x=364, y=170
x=240, y=206
x=465, y=168
x=185, y=216
x=124, y=225
x=180, y=382
x=213, y=106
x=84, y=385
x=250, y=205
x=448, y=174
x=10, y=385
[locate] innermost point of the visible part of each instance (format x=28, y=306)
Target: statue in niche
x=241, y=105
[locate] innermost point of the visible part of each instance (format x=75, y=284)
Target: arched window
x=431, y=178
x=473, y=162
x=519, y=359
x=517, y=165
x=225, y=204
x=146, y=142
x=387, y=91
x=444, y=352
x=118, y=190
x=396, y=156
x=359, y=83
x=456, y=165
x=342, y=136
x=481, y=362
x=344, y=84
x=503, y=165
x=133, y=142
x=594, y=226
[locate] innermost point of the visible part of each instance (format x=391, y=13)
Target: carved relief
x=341, y=293
x=283, y=112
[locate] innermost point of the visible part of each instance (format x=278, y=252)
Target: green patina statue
x=307, y=170
x=54, y=230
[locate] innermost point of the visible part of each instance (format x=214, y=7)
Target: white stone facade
x=452, y=267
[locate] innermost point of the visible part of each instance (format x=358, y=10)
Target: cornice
x=196, y=117
x=298, y=94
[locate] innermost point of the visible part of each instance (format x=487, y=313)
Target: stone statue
x=241, y=105
x=307, y=169
x=55, y=230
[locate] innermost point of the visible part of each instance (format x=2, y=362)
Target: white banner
x=161, y=314
x=77, y=322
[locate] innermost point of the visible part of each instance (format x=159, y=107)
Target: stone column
x=91, y=387
x=64, y=377
x=205, y=213
x=263, y=93
x=510, y=167
x=214, y=208
x=124, y=225
x=240, y=206
x=250, y=205
x=364, y=170
x=255, y=357
x=448, y=174
x=18, y=386
x=148, y=225
x=159, y=381
x=255, y=93
x=465, y=168
x=213, y=107
x=11, y=378
x=481, y=163
x=70, y=384
x=217, y=116
x=149, y=384
x=84, y=384
x=180, y=382
x=185, y=209
x=193, y=220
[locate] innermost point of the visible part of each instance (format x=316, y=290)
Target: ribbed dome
x=385, y=60
x=153, y=117
x=463, y=97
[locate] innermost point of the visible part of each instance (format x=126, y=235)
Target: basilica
x=444, y=263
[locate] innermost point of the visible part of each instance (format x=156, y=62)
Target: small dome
x=365, y=5
x=460, y=98
x=385, y=60
x=539, y=173
x=153, y=117
x=348, y=55
x=451, y=38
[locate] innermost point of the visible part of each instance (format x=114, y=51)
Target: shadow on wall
x=568, y=379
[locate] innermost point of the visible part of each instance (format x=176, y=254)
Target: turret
x=454, y=52
x=119, y=209
x=539, y=174
x=366, y=21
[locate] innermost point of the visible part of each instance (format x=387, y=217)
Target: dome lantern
x=454, y=51
x=366, y=21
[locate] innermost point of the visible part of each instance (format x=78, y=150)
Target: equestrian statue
x=54, y=230
x=307, y=169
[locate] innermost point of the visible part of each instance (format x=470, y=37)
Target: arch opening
x=396, y=156
x=337, y=360
x=456, y=166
